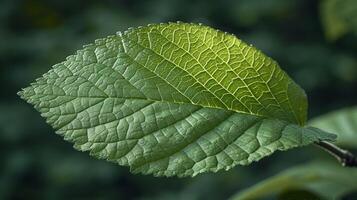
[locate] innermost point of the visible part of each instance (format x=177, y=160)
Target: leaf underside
x=173, y=99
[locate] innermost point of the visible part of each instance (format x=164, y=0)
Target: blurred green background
x=314, y=41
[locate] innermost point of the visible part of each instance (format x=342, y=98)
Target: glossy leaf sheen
x=173, y=99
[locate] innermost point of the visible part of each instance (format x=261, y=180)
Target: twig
x=345, y=157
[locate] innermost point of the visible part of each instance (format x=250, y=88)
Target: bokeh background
x=314, y=41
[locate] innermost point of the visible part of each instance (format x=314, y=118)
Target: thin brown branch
x=345, y=157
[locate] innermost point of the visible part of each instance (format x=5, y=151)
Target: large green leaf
x=174, y=99
x=342, y=122
x=328, y=180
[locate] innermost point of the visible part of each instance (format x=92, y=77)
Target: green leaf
x=338, y=17
x=326, y=179
x=174, y=99
x=342, y=122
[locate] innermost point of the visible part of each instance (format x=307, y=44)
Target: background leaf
x=338, y=17
x=341, y=122
x=173, y=99
x=326, y=179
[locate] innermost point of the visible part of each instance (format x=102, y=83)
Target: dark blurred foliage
x=35, y=34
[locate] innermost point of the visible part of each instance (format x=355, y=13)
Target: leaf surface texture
x=174, y=99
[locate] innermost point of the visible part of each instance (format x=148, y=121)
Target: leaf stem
x=346, y=158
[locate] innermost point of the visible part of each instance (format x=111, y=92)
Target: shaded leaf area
x=320, y=179
x=341, y=122
x=40, y=33
x=173, y=99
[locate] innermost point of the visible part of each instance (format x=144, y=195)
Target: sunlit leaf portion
x=328, y=180
x=343, y=123
x=174, y=99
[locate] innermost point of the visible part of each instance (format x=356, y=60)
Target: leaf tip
x=24, y=93
x=20, y=93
